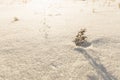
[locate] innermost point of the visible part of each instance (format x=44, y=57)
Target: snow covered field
x=38, y=46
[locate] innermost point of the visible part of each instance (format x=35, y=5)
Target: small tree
x=80, y=37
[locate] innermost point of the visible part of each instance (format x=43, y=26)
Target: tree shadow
x=100, y=69
x=93, y=77
x=86, y=44
x=101, y=41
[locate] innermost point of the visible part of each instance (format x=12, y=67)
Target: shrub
x=80, y=37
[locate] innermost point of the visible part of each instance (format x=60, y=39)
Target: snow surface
x=39, y=45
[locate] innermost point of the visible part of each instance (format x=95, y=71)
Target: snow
x=39, y=45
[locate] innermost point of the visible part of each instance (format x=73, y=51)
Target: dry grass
x=119, y=5
x=93, y=10
x=15, y=19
